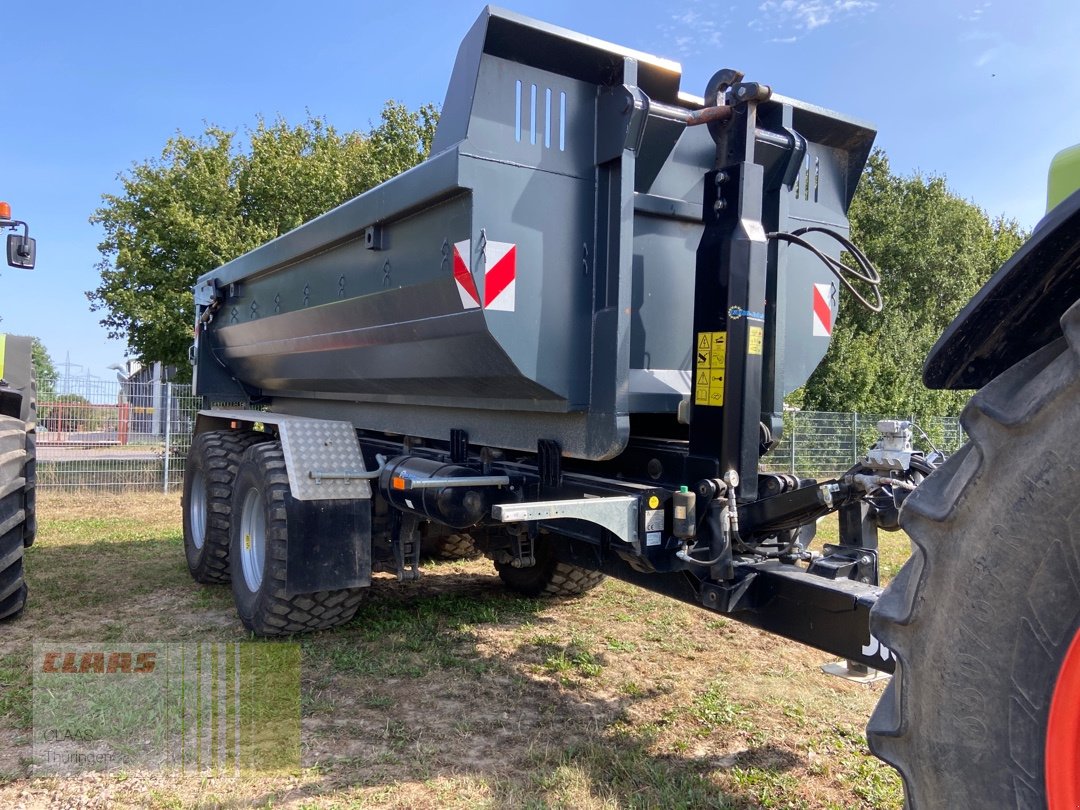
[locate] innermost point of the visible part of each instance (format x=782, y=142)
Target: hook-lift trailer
x=569, y=333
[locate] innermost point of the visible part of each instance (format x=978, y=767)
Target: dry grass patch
x=451, y=693
x=61, y=509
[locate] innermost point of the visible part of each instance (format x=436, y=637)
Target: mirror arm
x=24, y=249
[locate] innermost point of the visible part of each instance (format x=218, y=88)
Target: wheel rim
x=197, y=509
x=253, y=539
x=1063, y=735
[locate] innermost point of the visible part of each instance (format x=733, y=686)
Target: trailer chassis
x=624, y=528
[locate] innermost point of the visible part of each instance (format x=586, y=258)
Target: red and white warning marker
x=466, y=287
x=823, y=313
x=500, y=276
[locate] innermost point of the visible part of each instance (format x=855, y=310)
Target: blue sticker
x=735, y=313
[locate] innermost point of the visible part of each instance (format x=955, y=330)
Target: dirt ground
x=450, y=692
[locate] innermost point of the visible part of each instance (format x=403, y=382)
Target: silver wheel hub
x=197, y=509
x=253, y=539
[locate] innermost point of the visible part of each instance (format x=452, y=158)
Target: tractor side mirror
x=21, y=251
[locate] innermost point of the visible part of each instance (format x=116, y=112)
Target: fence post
x=123, y=415
x=793, y=416
x=168, y=433
x=855, y=438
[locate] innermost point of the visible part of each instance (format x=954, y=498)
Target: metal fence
x=125, y=436
x=818, y=444
x=111, y=435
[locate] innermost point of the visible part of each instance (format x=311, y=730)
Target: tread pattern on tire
x=276, y=614
x=30, y=492
x=30, y=469
x=570, y=580
x=550, y=577
x=219, y=452
x=455, y=547
x=980, y=615
x=13, y=440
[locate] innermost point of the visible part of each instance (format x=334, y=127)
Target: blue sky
x=982, y=92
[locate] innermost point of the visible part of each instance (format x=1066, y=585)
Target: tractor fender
x=1017, y=311
x=17, y=387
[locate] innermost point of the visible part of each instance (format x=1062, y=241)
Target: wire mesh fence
x=115, y=436
x=819, y=444
x=136, y=435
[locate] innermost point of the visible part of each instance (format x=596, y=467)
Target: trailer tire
x=452, y=547
x=549, y=577
x=209, y=474
x=985, y=615
x=259, y=549
x=13, y=516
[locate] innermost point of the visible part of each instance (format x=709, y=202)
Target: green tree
x=44, y=369
x=934, y=251
x=210, y=198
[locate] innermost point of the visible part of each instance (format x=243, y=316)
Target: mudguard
x=1017, y=310
x=17, y=396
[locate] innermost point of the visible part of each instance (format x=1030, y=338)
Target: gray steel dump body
x=534, y=278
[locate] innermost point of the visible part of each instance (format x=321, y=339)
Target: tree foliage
x=44, y=369
x=210, y=198
x=934, y=251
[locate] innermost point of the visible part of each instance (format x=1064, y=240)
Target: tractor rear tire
x=982, y=616
x=30, y=491
x=259, y=549
x=549, y=577
x=211, y=468
x=14, y=492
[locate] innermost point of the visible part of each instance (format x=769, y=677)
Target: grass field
x=451, y=693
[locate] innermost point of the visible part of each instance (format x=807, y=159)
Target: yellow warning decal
x=3, y=348
x=710, y=361
x=754, y=340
